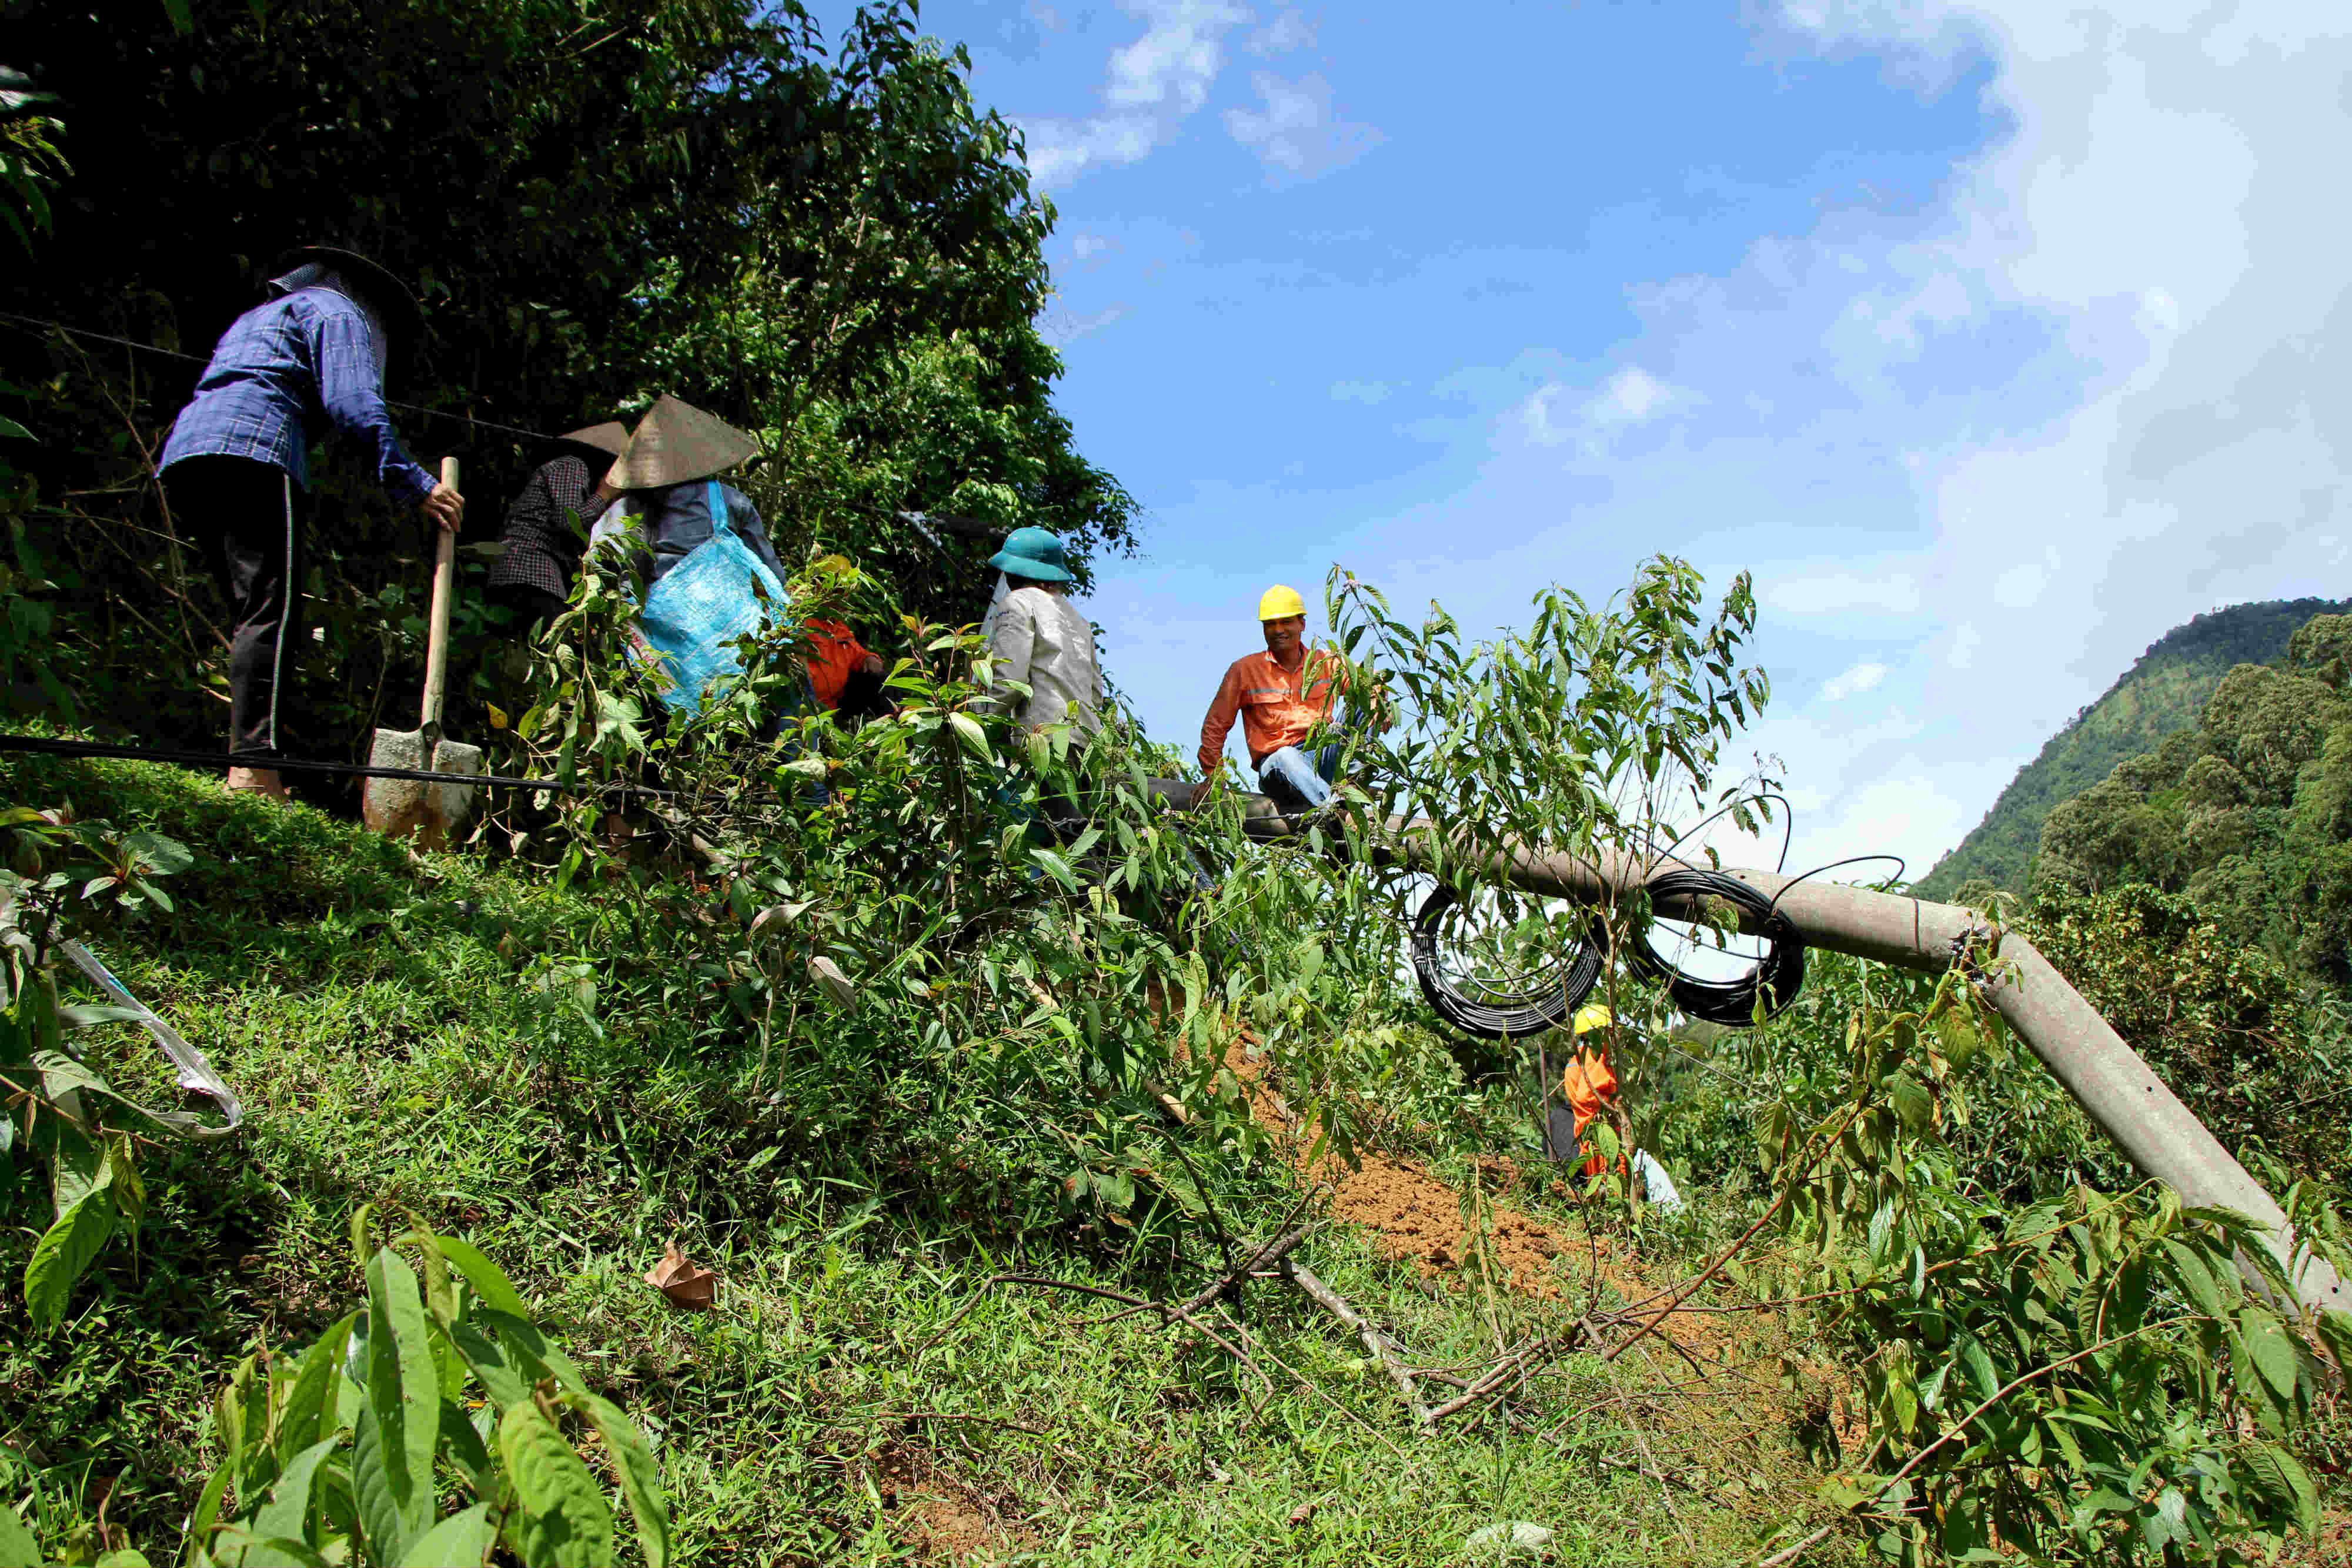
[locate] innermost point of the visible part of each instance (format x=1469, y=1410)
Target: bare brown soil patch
x=941, y=1518
x=1414, y=1217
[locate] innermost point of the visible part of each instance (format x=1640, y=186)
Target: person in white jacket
x=1036, y=636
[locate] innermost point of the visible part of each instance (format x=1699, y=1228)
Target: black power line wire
x=46, y=746
x=1525, y=1005
x=204, y=360
x=931, y=524
x=1514, y=1008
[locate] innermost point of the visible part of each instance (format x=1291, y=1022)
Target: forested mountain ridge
x=2160, y=695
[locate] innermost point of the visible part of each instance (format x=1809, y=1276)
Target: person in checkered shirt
x=307, y=363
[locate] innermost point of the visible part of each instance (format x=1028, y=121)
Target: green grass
x=410, y=1032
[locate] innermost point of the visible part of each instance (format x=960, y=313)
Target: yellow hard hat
x=1280, y=604
x=1591, y=1016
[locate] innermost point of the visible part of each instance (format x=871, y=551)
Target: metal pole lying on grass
x=2106, y=1077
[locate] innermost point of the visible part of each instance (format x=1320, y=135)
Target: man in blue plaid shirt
x=236, y=469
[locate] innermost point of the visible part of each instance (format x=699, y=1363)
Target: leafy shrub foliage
x=337, y=1453
x=838, y=252
x=81, y=1134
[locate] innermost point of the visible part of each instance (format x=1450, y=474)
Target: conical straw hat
x=611, y=438
x=674, y=443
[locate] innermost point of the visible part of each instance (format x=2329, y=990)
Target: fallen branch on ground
x=1170, y=1312
x=1384, y=1349
x=1264, y=1258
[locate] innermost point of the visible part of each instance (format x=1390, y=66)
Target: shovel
x=405, y=807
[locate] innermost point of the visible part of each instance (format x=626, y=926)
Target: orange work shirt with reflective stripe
x=1279, y=707
x=1589, y=1085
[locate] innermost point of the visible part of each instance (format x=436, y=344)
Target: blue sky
x=1996, y=338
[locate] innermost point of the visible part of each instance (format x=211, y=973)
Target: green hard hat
x=1034, y=553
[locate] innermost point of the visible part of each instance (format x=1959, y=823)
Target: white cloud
x=1632, y=396
x=1362, y=392
x=1841, y=592
x=1064, y=328
x=1152, y=86
x=2150, y=214
x=2022, y=586
x=1962, y=653
x=1086, y=247
x=1627, y=398
x=1851, y=682
x=1295, y=131
x=1289, y=31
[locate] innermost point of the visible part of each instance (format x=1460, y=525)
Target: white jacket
x=1040, y=639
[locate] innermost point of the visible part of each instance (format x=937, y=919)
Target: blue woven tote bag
x=694, y=614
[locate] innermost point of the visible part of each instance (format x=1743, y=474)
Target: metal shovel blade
x=404, y=807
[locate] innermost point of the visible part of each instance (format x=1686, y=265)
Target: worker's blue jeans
x=1299, y=781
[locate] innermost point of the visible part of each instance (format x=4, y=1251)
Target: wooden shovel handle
x=436, y=637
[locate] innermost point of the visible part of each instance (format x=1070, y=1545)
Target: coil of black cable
x=1778, y=974
x=1498, y=1014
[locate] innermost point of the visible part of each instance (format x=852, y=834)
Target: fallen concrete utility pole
x=2123, y=1094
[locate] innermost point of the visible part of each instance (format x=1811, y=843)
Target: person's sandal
x=257, y=781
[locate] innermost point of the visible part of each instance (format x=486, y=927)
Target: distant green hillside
x=2161, y=694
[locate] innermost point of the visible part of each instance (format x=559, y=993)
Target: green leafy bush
x=341, y=1452
x=2062, y=1376
x=60, y=1114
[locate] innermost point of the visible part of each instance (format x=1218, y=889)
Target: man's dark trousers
x=249, y=517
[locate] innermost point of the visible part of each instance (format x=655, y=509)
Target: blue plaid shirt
x=281, y=377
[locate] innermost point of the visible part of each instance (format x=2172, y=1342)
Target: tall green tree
x=598, y=200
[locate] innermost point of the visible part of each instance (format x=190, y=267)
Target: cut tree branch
x=1384, y=1349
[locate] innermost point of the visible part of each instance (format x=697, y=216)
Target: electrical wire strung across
x=201, y=360
x=931, y=524
x=48, y=747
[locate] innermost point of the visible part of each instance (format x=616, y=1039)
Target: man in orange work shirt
x=1283, y=695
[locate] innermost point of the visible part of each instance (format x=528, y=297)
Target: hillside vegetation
x=2160, y=695
x=2248, y=812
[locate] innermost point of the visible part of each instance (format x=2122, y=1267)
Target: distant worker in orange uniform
x=1588, y=1083
x=1284, y=696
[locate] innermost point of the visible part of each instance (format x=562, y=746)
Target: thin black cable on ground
x=208, y=760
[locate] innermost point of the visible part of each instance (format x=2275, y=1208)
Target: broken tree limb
x=1170, y=1312
x=2161, y=1136
x=1385, y=1350
x=1263, y=1258
x=1496, y=1379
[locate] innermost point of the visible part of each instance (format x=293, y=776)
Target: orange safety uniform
x=834, y=652
x=1589, y=1085
x=1279, y=707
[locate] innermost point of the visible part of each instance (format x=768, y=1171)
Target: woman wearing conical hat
x=711, y=574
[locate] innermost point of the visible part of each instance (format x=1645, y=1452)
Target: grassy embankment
x=423, y=1034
